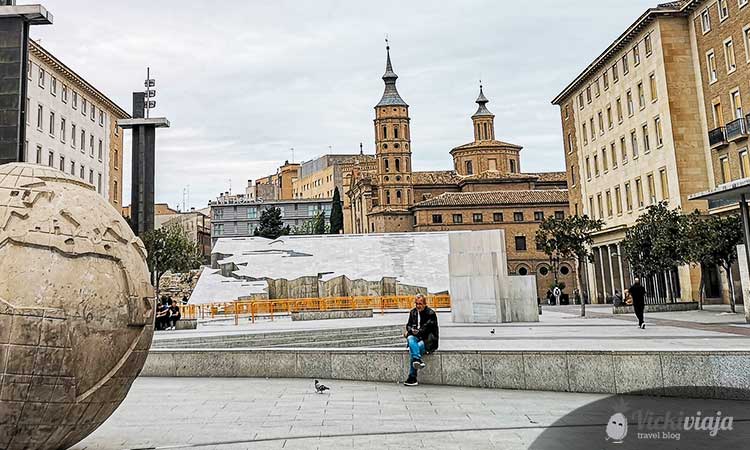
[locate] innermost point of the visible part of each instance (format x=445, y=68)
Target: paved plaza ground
x=235, y=414
x=560, y=328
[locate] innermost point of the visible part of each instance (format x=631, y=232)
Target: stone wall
x=179, y=285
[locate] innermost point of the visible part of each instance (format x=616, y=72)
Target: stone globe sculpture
x=76, y=308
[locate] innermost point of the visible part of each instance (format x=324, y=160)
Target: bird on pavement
x=320, y=388
x=492, y=331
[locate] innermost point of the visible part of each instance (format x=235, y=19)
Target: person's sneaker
x=411, y=381
x=643, y=326
x=418, y=364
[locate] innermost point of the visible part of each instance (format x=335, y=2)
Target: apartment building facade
x=632, y=138
x=72, y=126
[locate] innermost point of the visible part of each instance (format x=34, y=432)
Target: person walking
x=422, y=335
x=638, y=295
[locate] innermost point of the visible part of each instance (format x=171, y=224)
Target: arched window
x=398, y=165
x=398, y=196
x=385, y=161
x=395, y=132
x=406, y=132
x=385, y=132
x=408, y=197
x=469, y=168
x=486, y=134
x=387, y=197
x=479, y=132
x=512, y=166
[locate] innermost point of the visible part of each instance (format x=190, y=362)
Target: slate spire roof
x=390, y=96
x=482, y=102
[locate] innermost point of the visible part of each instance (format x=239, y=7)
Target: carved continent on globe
x=76, y=308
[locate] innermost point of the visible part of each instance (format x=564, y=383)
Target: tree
x=655, y=244
x=337, y=214
x=271, y=226
x=569, y=238
x=713, y=240
x=316, y=225
x=169, y=249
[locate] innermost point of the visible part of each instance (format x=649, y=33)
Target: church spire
x=482, y=102
x=390, y=96
x=484, y=120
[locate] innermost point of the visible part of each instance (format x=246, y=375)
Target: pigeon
x=320, y=388
x=492, y=331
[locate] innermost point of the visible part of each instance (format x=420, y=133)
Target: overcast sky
x=242, y=82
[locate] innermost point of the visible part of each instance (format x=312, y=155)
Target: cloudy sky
x=244, y=81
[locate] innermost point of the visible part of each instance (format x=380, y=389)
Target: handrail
x=267, y=308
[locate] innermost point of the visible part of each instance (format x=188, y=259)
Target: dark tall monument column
x=14, y=56
x=143, y=164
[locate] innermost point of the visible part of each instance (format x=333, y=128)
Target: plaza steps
x=377, y=336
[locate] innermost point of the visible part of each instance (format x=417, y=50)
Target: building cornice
x=73, y=78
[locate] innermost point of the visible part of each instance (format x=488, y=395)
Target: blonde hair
x=422, y=296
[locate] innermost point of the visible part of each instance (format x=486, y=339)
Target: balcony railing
x=717, y=138
x=736, y=129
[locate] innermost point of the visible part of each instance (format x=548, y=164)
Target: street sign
x=152, y=104
x=150, y=82
x=151, y=93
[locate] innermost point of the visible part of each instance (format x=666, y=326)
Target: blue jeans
x=416, y=350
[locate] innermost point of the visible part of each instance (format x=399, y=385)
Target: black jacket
x=428, y=331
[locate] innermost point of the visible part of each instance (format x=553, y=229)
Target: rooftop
x=492, y=198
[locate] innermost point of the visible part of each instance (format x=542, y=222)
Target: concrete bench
x=187, y=324
x=332, y=314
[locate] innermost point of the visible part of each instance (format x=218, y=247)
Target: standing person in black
x=421, y=335
x=638, y=294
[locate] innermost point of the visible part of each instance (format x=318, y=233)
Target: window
x=588, y=94
x=651, y=189
x=39, y=154
x=746, y=38
x=580, y=100
x=65, y=93
x=634, y=143
x=618, y=200
x=588, y=169
x=646, y=140
x=570, y=144
x=559, y=215
x=636, y=55
x=437, y=218
x=116, y=161
x=83, y=141
x=84, y=106
x=639, y=192
x=101, y=153
x=652, y=86
x=601, y=122
x=629, y=101
x=608, y=196
x=39, y=116
x=592, y=129
x=385, y=163
x=641, y=96
x=623, y=150
x=91, y=145
x=705, y=21
x=51, y=159
x=736, y=101
x=592, y=211
x=664, y=184
x=497, y=217
x=610, y=122
x=625, y=68
x=53, y=88
x=477, y=217
x=93, y=112
x=726, y=173
x=83, y=173
x=597, y=92
x=723, y=10
x=101, y=118
x=659, y=132
x=458, y=218
x=742, y=3
x=72, y=167
x=628, y=197
x=567, y=112
x=600, y=205
x=585, y=134
x=469, y=168
x=73, y=135
x=387, y=197
x=744, y=163
x=63, y=129
x=538, y=216
x=91, y=179
x=613, y=155
x=75, y=100
x=596, y=165
x=41, y=78
x=647, y=44
x=729, y=55
x=52, y=126
x=395, y=132
x=114, y=188
x=619, y=109
x=99, y=183
x=517, y=217
x=62, y=163
x=711, y=66
x=521, y=244
x=512, y=166
x=492, y=162
x=615, y=74
x=605, y=163
x=605, y=80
